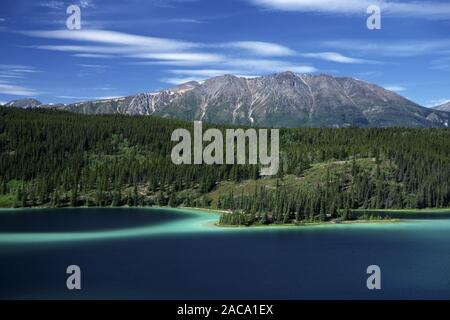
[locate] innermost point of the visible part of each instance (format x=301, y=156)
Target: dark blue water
x=324, y=262
x=51, y=220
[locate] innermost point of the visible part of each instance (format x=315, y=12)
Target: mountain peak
x=285, y=99
x=286, y=74
x=24, y=103
x=443, y=107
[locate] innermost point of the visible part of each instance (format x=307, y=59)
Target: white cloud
x=108, y=97
x=13, y=71
x=86, y=4
x=53, y=4
x=93, y=56
x=245, y=68
x=118, y=43
x=438, y=102
x=15, y=90
x=335, y=57
x=262, y=66
x=422, y=9
x=187, y=57
x=58, y=5
x=102, y=50
x=239, y=57
x=75, y=97
x=176, y=81
x=262, y=48
x=92, y=66
x=171, y=52
x=442, y=64
x=399, y=48
x=115, y=38
x=395, y=88
x=16, y=66
x=341, y=6
x=182, y=20
x=88, y=98
x=203, y=72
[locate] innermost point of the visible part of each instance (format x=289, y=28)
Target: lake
x=179, y=254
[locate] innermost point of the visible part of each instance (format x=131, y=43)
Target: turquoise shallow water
x=180, y=254
x=191, y=221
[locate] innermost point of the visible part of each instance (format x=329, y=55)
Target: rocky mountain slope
x=443, y=107
x=280, y=100
x=24, y=103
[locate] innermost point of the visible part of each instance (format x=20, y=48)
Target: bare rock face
x=280, y=100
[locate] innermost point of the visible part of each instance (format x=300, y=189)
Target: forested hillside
x=54, y=158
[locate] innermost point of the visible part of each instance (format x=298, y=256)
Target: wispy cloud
x=16, y=90
x=395, y=88
x=183, y=58
x=12, y=73
x=93, y=56
x=86, y=98
x=203, y=72
x=248, y=68
x=52, y=4
x=438, y=102
x=180, y=80
x=169, y=3
x=93, y=66
x=16, y=71
x=239, y=57
x=420, y=9
x=182, y=20
x=336, y=57
x=442, y=64
x=119, y=43
x=87, y=4
x=399, y=48
x=114, y=38
x=251, y=67
x=261, y=66
x=262, y=48
x=57, y=5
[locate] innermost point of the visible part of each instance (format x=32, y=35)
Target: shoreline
x=198, y=221
x=218, y=211
x=216, y=224
x=314, y=224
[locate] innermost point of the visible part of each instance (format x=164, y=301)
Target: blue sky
x=126, y=47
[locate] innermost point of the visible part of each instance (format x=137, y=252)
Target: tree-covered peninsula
x=59, y=159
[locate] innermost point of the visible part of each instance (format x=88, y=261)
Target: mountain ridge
x=280, y=100
x=443, y=107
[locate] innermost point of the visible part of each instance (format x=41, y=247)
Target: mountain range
x=443, y=107
x=280, y=100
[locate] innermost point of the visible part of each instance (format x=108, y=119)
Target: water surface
x=179, y=254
